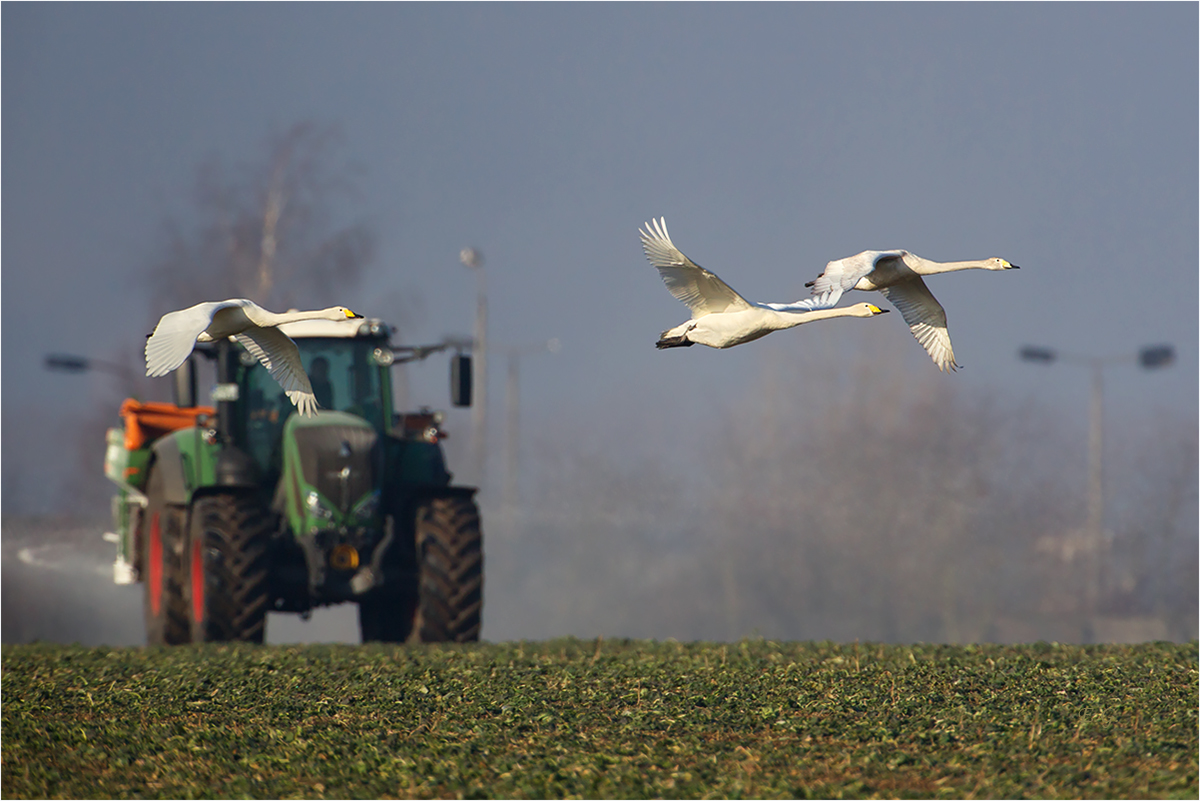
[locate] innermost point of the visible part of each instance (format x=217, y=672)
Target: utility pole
x=473, y=258
x=512, y=422
x=1095, y=496
x=1149, y=357
x=512, y=415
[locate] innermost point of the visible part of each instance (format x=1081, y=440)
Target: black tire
x=450, y=549
x=386, y=618
x=162, y=567
x=228, y=561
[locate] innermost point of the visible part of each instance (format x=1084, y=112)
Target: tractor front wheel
x=450, y=552
x=228, y=568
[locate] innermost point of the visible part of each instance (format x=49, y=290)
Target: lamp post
x=1149, y=358
x=71, y=363
x=473, y=258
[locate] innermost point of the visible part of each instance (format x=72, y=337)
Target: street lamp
x=70, y=363
x=473, y=258
x=1149, y=357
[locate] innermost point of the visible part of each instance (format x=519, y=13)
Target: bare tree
x=271, y=231
x=1152, y=569
x=843, y=495
x=278, y=230
x=864, y=500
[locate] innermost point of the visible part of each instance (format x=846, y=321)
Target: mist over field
x=858, y=500
x=822, y=482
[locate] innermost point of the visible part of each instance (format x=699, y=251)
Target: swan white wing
x=175, y=336
x=281, y=357
x=812, y=304
x=306, y=402
x=702, y=291
x=826, y=300
x=842, y=275
x=926, y=319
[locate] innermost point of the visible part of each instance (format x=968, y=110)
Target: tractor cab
x=348, y=366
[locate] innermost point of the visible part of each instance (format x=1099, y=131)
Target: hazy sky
x=772, y=137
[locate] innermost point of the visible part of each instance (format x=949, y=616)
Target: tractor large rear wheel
x=228, y=568
x=450, y=552
x=162, y=567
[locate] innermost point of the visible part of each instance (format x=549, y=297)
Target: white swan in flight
x=250, y=324
x=897, y=274
x=721, y=318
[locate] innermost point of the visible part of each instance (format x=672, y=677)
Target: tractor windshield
x=344, y=376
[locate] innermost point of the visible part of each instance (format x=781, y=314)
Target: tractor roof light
x=373, y=327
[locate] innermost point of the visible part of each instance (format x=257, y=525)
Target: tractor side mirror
x=183, y=384
x=460, y=379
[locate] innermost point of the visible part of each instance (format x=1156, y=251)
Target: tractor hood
x=331, y=468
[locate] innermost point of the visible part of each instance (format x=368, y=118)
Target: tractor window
x=344, y=377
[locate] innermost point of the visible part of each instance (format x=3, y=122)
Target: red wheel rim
x=154, y=569
x=197, y=582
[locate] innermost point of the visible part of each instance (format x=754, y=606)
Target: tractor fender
x=404, y=504
x=427, y=492
x=168, y=463
x=236, y=468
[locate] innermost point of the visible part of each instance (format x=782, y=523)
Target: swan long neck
x=790, y=318
x=922, y=266
x=271, y=318
x=319, y=314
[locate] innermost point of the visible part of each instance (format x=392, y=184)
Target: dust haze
x=848, y=499
x=837, y=498
x=57, y=586
x=840, y=488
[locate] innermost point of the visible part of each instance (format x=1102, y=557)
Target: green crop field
x=598, y=718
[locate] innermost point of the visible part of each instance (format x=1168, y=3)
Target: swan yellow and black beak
x=876, y=310
x=352, y=316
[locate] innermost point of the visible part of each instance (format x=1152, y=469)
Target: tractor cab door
x=344, y=376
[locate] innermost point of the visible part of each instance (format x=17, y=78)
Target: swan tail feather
x=680, y=341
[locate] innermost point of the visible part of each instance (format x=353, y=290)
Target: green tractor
x=227, y=513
